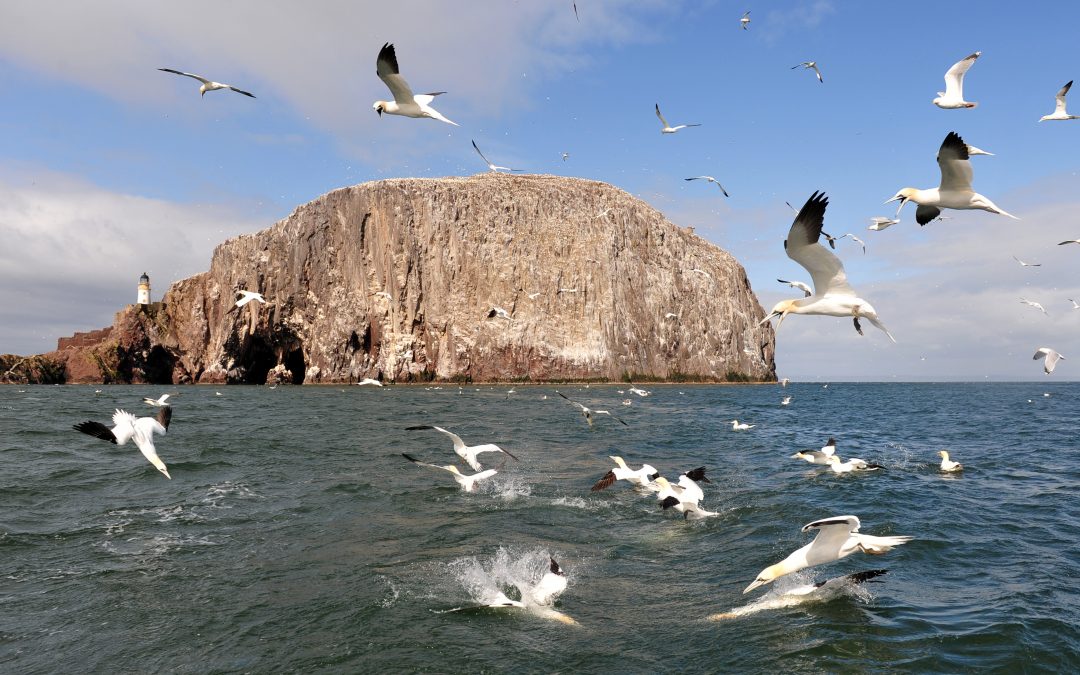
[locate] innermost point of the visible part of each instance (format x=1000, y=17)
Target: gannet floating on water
x=810, y=65
x=126, y=427
x=207, y=85
x=465, y=452
x=710, y=179
x=467, y=483
x=587, y=412
x=156, y=402
x=838, y=537
x=821, y=591
x=667, y=128
x=852, y=464
x=735, y=426
x=1059, y=106
x=1050, y=357
x=684, y=497
x=833, y=296
x=954, y=192
x=405, y=103
x=953, y=96
x=492, y=167
x=537, y=599
x=947, y=464
x=640, y=478
x=1032, y=303
x=818, y=456
x=801, y=285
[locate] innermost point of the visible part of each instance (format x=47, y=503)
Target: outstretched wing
x=662, y=120
x=952, y=158
x=954, y=77
x=1059, y=107
x=241, y=91
x=191, y=75
x=604, y=483
x=386, y=67
x=802, y=246
x=99, y=430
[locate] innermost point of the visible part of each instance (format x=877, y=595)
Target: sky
x=109, y=168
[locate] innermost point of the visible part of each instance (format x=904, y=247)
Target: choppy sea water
x=294, y=536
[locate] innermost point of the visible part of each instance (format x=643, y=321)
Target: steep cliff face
x=397, y=280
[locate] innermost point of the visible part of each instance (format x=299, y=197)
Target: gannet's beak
x=768, y=316
x=900, y=197
x=780, y=321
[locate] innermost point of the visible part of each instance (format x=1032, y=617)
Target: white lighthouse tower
x=144, y=290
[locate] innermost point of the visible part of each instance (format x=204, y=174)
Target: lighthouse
x=144, y=290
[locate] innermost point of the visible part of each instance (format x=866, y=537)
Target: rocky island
x=489, y=278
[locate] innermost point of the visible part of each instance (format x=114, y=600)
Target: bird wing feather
x=952, y=158
x=954, y=77
x=802, y=246
x=1059, y=106
x=180, y=72
x=386, y=67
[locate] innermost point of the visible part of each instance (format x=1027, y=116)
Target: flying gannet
x=833, y=296
x=588, y=413
x=492, y=167
x=1026, y=264
x=369, y=381
x=953, y=96
x=818, y=456
x=467, y=483
x=878, y=223
x=667, y=128
x=465, y=452
x=126, y=427
x=405, y=102
x=640, y=478
x=838, y=537
x=156, y=402
x=1032, y=303
x=1059, y=106
x=745, y=20
x=1069, y=241
x=710, y=179
x=1050, y=358
x=947, y=464
x=801, y=285
x=955, y=191
x=248, y=296
x=810, y=65
x=207, y=85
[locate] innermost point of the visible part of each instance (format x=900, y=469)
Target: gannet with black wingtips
x=810, y=65
x=852, y=464
x=682, y=499
x=207, y=85
x=467, y=483
x=818, y=456
x=640, y=478
x=833, y=296
x=710, y=179
x=126, y=427
x=405, y=103
x=838, y=537
x=156, y=402
x=801, y=285
x=953, y=96
x=954, y=192
x=667, y=128
x=465, y=452
x=588, y=412
x=1059, y=106
x=1050, y=358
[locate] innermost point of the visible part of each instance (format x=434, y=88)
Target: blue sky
x=109, y=167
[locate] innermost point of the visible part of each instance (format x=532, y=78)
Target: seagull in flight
x=405, y=102
x=1050, y=356
x=1026, y=264
x=953, y=96
x=587, y=413
x=467, y=483
x=710, y=179
x=745, y=20
x=667, y=128
x=955, y=191
x=1036, y=305
x=207, y=85
x=878, y=223
x=810, y=65
x=801, y=285
x=248, y=296
x=126, y=427
x=838, y=537
x=493, y=167
x=833, y=296
x=156, y=402
x=1059, y=107
x=465, y=452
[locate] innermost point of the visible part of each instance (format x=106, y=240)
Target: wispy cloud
x=802, y=16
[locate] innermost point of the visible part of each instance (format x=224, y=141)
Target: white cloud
x=802, y=16
x=73, y=253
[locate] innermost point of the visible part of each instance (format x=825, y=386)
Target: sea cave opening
x=294, y=361
x=159, y=366
x=258, y=361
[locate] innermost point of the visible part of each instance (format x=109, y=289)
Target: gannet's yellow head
x=618, y=460
x=662, y=482
x=781, y=310
x=767, y=575
x=903, y=196
x=944, y=454
x=452, y=469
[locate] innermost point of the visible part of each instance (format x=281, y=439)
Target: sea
x=294, y=537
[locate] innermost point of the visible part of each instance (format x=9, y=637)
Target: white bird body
x=833, y=296
x=837, y=538
x=821, y=456
x=810, y=65
x=466, y=452
x=207, y=85
x=953, y=96
x=878, y=223
x=548, y=588
x=745, y=21
x=1050, y=358
x=588, y=412
x=851, y=465
x=127, y=427
x=682, y=498
x=736, y=426
x=156, y=402
x=667, y=128
x=947, y=464
x=369, y=381
x=1032, y=303
x=786, y=400
x=405, y=103
x=1059, y=107
x=498, y=312
x=467, y=483
x=248, y=296
x=821, y=591
x=954, y=192
x=640, y=478
x=491, y=166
